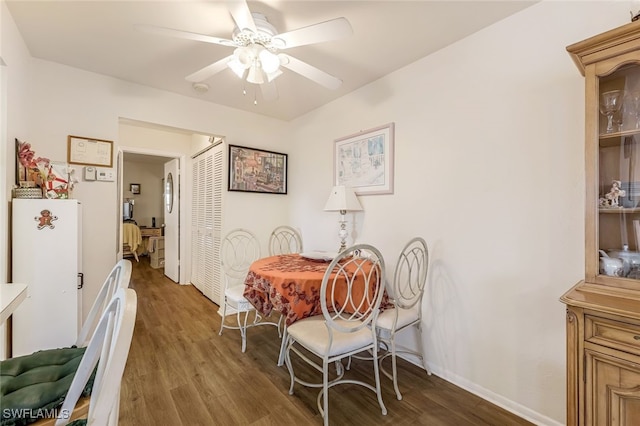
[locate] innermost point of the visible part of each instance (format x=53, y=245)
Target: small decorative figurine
x=611, y=198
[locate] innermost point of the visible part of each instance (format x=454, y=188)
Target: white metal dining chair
x=350, y=296
x=285, y=240
x=30, y=378
x=407, y=291
x=119, y=277
x=240, y=248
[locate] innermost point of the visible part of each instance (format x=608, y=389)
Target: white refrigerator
x=47, y=256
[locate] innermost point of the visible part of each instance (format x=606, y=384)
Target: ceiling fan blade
x=310, y=72
x=209, y=70
x=269, y=91
x=334, y=29
x=151, y=29
x=241, y=15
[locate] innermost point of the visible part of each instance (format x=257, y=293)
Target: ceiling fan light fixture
x=237, y=67
x=256, y=75
x=270, y=62
x=245, y=56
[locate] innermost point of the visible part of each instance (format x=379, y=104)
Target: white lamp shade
x=342, y=198
x=255, y=76
x=270, y=62
x=237, y=67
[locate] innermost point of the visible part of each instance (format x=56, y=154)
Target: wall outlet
x=105, y=174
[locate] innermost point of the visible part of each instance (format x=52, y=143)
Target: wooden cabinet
x=615, y=397
x=603, y=310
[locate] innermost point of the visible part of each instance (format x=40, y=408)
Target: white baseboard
x=499, y=400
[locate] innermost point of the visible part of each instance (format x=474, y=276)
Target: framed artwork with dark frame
x=257, y=170
x=134, y=188
x=364, y=161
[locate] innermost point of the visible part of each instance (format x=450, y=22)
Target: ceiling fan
x=257, y=57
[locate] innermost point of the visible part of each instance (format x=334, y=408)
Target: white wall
x=489, y=170
x=14, y=83
x=149, y=203
x=13, y=94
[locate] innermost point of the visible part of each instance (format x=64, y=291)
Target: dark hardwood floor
x=180, y=372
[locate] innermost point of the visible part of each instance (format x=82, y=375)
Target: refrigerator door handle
x=81, y=276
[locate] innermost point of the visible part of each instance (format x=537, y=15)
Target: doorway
x=144, y=204
x=154, y=143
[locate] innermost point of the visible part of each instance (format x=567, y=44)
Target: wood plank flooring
x=180, y=372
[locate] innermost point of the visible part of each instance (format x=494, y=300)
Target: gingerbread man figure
x=45, y=219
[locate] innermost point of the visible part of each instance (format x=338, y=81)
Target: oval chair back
x=285, y=240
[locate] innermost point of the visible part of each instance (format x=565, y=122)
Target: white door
x=172, y=220
x=206, y=221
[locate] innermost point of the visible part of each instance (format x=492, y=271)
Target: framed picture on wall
x=364, y=161
x=89, y=151
x=134, y=188
x=257, y=170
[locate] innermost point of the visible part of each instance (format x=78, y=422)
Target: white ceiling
x=99, y=36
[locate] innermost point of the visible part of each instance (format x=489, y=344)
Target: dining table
x=289, y=284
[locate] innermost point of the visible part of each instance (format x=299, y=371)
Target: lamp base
x=343, y=234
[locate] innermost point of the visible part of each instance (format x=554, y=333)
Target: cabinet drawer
x=614, y=334
x=151, y=232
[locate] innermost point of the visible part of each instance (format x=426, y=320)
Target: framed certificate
x=89, y=151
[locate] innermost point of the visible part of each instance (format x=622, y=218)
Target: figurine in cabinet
x=614, y=194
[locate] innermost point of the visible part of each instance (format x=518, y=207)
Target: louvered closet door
x=214, y=259
x=197, y=220
x=206, y=222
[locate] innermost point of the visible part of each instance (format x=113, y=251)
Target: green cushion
x=31, y=386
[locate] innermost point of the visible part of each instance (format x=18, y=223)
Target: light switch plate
x=105, y=174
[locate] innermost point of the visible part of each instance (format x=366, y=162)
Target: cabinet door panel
x=613, y=384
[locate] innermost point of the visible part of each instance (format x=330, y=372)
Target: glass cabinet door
x=618, y=227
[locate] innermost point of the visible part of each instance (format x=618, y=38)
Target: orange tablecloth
x=289, y=284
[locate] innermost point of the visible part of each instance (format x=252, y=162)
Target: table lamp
x=342, y=199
